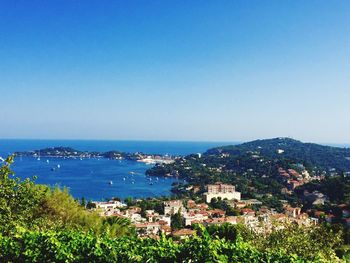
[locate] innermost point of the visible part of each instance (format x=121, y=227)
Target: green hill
x=310, y=154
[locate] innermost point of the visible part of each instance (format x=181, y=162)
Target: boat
x=47, y=161
x=2, y=159
x=124, y=178
x=151, y=183
x=58, y=166
x=53, y=169
x=38, y=157
x=110, y=182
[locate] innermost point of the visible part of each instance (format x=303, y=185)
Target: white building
x=109, y=205
x=223, y=191
x=173, y=207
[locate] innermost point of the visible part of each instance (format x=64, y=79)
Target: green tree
x=177, y=221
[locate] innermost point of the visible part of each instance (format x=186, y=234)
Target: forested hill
x=310, y=154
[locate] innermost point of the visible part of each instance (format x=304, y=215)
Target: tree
x=18, y=199
x=177, y=221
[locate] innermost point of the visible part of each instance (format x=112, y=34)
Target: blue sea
x=90, y=178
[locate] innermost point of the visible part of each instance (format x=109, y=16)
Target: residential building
x=173, y=207
x=223, y=191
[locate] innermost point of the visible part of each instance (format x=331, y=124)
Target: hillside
x=261, y=168
x=310, y=154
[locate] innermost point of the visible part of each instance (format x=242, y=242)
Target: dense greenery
x=215, y=244
x=310, y=154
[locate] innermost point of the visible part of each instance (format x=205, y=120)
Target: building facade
x=223, y=191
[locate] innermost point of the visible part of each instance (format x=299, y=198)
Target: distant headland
x=68, y=152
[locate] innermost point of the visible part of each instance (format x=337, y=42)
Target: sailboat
x=38, y=157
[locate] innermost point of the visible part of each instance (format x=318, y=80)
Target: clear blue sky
x=175, y=70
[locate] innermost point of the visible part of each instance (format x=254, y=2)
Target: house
x=164, y=218
x=183, y=233
x=108, y=208
x=223, y=191
x=194, y=218
x=173, y=207
x=109, y=205
x=191, y=204
x=216, y=213
x=151, y=215
x=316, y=197
x=247, y=211
x=251, y=221
x=292, y=211
x=144, y=229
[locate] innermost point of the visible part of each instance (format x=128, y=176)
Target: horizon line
x=175, y=140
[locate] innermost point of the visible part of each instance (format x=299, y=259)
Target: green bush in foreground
x=75, y=246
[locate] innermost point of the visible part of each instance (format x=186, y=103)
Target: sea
x=100, y=179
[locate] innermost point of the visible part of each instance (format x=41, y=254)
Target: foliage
x=316, y=243
x=75, y=246
x=176, y=221
x=18, y=199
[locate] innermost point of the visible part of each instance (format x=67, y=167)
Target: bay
x=99, y=179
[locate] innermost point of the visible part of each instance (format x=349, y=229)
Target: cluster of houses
x=292, y=179
x=151, y=223
x=339, y=215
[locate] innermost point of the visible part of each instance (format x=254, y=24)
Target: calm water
x=90, y=178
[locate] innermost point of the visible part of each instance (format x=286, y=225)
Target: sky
x=175, y=70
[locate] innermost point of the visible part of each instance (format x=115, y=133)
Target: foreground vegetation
x=39, y=224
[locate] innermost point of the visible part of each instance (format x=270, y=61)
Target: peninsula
x=68, y=152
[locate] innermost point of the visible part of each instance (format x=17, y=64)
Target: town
x=178, y=217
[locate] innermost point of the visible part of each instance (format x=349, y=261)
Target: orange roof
x=183, y=232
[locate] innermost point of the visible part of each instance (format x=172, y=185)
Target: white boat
x=58, y=166
x=47, y=161
x=124, y=178
x=110, y=182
